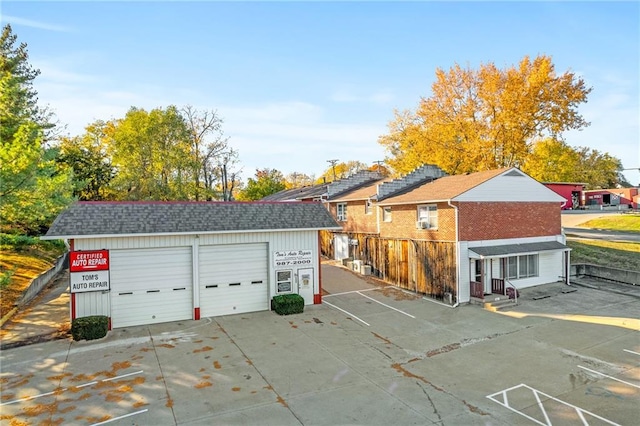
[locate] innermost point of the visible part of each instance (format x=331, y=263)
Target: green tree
x=34, y=188
x=486, y=118
x=87, y=156
x=266, y=182
x=554, y=161
x=151, y=154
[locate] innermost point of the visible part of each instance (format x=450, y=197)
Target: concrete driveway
x=376, y=355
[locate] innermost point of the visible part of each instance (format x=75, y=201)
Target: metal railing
x=515, y=290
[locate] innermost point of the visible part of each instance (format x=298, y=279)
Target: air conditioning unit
x=357, y=265
x=422, y=224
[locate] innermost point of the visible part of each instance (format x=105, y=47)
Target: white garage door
x=233, y=279
x=150, y=286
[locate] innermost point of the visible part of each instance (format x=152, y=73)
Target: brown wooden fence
x=426, y=267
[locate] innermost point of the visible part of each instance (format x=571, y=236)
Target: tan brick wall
x=403, y=224
x=357, y=220
x=489, y=221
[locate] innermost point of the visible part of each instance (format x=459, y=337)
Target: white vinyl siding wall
x=273, y=241
x=510, y=189
x=550, y=264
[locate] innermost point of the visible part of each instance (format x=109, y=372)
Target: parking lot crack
x=169, y=403
x=269, y=386
x=433, y=405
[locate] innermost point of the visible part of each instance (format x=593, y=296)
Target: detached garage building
x=151, y=262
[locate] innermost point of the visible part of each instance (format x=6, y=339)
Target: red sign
x=89, y=260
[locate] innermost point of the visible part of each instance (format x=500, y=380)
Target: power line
x=333, y=167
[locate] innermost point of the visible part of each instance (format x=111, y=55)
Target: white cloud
x=14, y=20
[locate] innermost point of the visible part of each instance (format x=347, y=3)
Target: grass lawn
x=622, y=222
x=20, y=265
x=606, y=253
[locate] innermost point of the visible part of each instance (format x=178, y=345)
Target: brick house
x=453, y=237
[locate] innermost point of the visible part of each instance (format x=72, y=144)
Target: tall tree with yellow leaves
x=486, y=118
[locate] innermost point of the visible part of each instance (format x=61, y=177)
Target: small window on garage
x=283, y=281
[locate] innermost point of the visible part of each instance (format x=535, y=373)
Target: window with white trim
x=367, y=207
x=428, y=217
x=386, y=214
x=283, y=281
x=341, y=212
x=518, y=267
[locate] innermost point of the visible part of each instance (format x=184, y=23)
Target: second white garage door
x=233, y=279
x=150, y=286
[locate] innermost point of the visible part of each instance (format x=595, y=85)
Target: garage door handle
x=211, y=286
x=153, y=291
x=181, y=288
x=256, y=282
x=125, y=293
x=232, y=284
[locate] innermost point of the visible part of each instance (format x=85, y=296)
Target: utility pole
x=333, y=167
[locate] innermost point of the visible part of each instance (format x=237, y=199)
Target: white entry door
x=341, y=246
x=150, y=286
x=233, y=279
x=306, y=285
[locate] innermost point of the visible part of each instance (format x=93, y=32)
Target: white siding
x=92, y=303
x=132, y=242
x=464, y=280
x=510, y=189
x=550, y=264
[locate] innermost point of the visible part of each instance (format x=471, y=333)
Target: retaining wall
x=606, y=273
x=42, y=280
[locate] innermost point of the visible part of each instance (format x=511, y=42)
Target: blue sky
x=300, y=83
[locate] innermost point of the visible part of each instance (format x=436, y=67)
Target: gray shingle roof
x=86, y=219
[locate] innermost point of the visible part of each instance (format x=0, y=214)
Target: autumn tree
x=343, y=170
x=266, y=182
x=298, y=180
x=34, y=188
x=212, y=157
x=92, y=168
x=486, y=118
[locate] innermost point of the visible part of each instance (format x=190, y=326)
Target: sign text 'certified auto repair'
x=89, y=270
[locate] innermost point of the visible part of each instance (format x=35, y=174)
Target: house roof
x=511, y=249
x=362, y=193
x=92, y=219
x=444, y=188
x=298, y=194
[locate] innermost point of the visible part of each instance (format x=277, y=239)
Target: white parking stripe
x=28, y=398
x=609, y=377
x=120, y=417
x=579, y=411
x=347, y=292
x=384, y=304
x=631, y=352
x=346, y=312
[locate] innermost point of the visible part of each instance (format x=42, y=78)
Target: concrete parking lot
x=369, y=355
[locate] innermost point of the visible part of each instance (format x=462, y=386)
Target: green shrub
x=5, y=277
x=287, y=304
x=89, y=328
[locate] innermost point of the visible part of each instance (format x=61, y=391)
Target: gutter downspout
x=455, y=209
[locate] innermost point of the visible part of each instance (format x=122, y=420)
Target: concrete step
x=499, y=303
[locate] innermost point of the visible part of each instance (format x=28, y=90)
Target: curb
x=8, y=316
